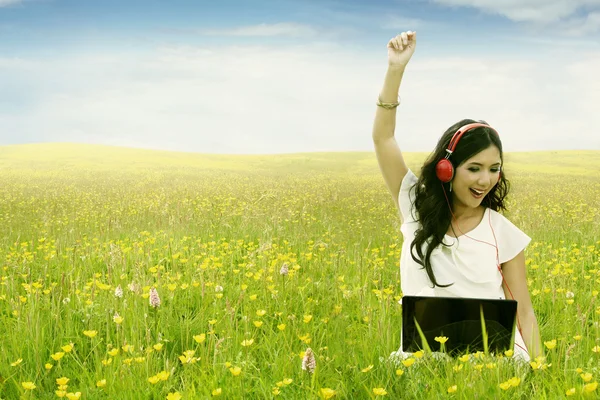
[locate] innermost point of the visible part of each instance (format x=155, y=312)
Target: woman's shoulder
x=503, y=223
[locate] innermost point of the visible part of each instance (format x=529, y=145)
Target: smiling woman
x=456, y=243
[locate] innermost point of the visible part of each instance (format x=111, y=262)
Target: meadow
x=140, y=274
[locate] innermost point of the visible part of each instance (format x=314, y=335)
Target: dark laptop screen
x=458, y=319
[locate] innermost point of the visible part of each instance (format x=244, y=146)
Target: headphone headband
x=461, y=131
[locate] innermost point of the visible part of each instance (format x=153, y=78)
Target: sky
x=283, y=76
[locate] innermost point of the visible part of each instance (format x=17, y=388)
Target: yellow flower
x=551, y=344
x=101, y=383
x=327, y=393
x=235, y=371
x=590, y=387
x=379, y=391
x=48, y=366
x=118, y=319
x=596, y=349
x=464, y=358
x=287, y=381
x=67, y=348
x=281, y=327
x=367, y=369
x=154, y=379
x=307, y=318
x=217, y=392
x=441, y=339
x=418, y=354
x=452, y=389
x=61, y=393
x=90, y=334
x=62, y=381
x=174, y=396
x=399, y=372
x=509, y=353
x=258, y=324
x=163, y=375
x=200, y=338
x=14, y=364
x=113, y=352
x=73, y=396
x=577, y=337
x=159, y=346
x=570, y=392
x=247, y=342
x=28, y=385
x=188, y=357
x=408, y=362
x=260, y=313
x=127, y=348
x=586, y=377
x=512, y=382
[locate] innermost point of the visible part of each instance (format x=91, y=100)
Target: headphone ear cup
x=444, y=170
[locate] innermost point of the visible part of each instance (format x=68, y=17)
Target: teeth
x=477, y=191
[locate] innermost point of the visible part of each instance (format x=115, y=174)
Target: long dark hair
x=432, y=211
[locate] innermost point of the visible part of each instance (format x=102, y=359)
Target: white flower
x=218, y=288
x=119, y=291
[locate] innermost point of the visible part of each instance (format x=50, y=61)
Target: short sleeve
x=406, y=196
x=511, y=241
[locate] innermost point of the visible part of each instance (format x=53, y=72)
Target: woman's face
x=476, y=177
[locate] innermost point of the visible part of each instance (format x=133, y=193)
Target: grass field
x=87, y=231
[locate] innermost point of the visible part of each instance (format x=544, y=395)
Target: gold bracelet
x=388, y=106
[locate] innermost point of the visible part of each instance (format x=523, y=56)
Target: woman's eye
x=495, y=170
x=473, y=169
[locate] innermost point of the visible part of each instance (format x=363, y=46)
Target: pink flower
x=154, y=299
x=308, y=361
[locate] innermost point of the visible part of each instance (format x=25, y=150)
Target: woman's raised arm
x=389, y=156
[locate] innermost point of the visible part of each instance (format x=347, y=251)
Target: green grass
x=78, y=221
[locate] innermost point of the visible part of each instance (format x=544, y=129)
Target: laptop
x=460, y=320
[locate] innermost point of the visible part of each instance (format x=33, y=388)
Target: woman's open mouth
x=477, y=193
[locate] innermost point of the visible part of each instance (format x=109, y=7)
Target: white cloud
x=404, y=23
x=288, y=29
x=527, y=10
x=258, y=99
x=4, y=3
x=581, y=26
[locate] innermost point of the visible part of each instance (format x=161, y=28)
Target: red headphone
x=444, y=168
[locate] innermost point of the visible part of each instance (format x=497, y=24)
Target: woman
x=456, y=244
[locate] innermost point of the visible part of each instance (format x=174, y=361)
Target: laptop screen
x=458, y=319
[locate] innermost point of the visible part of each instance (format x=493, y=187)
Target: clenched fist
x=401, y=48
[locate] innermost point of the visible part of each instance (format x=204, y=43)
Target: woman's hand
x=401, y=48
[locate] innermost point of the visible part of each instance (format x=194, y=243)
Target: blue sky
x=295, y=76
